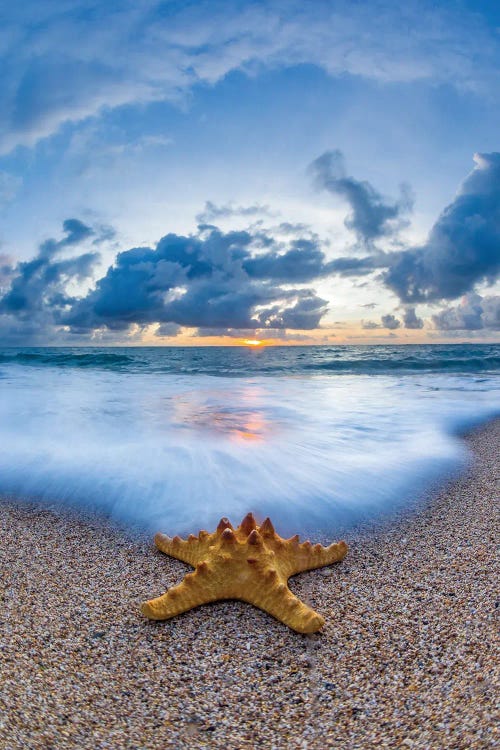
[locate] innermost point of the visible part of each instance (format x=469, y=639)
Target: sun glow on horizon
x=253, y=342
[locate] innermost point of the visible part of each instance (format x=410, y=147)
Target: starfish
x=251, y=563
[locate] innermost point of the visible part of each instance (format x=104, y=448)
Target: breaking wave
x=176, y=451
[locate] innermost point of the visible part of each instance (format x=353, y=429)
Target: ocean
x=174, y=438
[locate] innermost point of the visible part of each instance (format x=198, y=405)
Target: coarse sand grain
x=408, y=657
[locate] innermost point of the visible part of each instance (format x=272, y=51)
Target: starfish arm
x=192, y=550
x=249, y=563
x=278, y=601
x=196, y=588
x=306, y=556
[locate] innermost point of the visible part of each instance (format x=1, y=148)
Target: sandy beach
x=406, y=658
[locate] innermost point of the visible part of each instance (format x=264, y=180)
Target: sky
x=182, y=173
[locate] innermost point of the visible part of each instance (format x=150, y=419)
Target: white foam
x=178, y=452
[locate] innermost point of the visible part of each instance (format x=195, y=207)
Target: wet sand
x=407, y=657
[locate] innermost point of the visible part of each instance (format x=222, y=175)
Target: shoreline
x=406, y=658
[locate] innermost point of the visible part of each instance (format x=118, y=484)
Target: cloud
x=472, y=314
x=255, y=278
x=369, y=325
x=390, y=322
x=349, y=266
x=302, y=262
x=280, y=334
x=142, y=143
x=167, y=330
x=212, y=212
x=463, y=246
x=289, y=228
x=37, y=296
x=68, y=62
x=410, y=319
x=75, y=232
x=304, y=313
x=204, y=281
x=7, y=270
x=371, y=216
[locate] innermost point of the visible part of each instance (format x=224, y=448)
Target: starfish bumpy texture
x=250, y=563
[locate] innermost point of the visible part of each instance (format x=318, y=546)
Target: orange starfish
x=251, y=563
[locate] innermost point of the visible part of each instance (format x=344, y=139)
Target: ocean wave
x=176, y=452
x=410, y=364
x=241, y=362
x=49, y=358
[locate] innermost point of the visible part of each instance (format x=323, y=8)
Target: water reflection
x=236, y=423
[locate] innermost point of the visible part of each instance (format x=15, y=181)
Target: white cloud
x=64, y=62
x=474, y=313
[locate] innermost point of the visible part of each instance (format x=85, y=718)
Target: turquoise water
x=174, y=438
x=274, y=360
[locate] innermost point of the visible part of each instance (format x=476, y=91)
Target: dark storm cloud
x=304, y=313
x=36, y=298
x=371, y=216
x=390, y=322
x=303, y=262
x=410, y=319
x=472, y=314
x=209, y=280
x=254, y=279
x=347, y=266
x=463, y=247
x=39, y=284
x=167, y=329
x=75, y=232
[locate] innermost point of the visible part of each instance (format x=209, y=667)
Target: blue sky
x=326, y=148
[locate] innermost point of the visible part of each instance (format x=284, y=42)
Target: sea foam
x=176, y=452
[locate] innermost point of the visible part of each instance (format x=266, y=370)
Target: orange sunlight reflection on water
x=240, y=424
